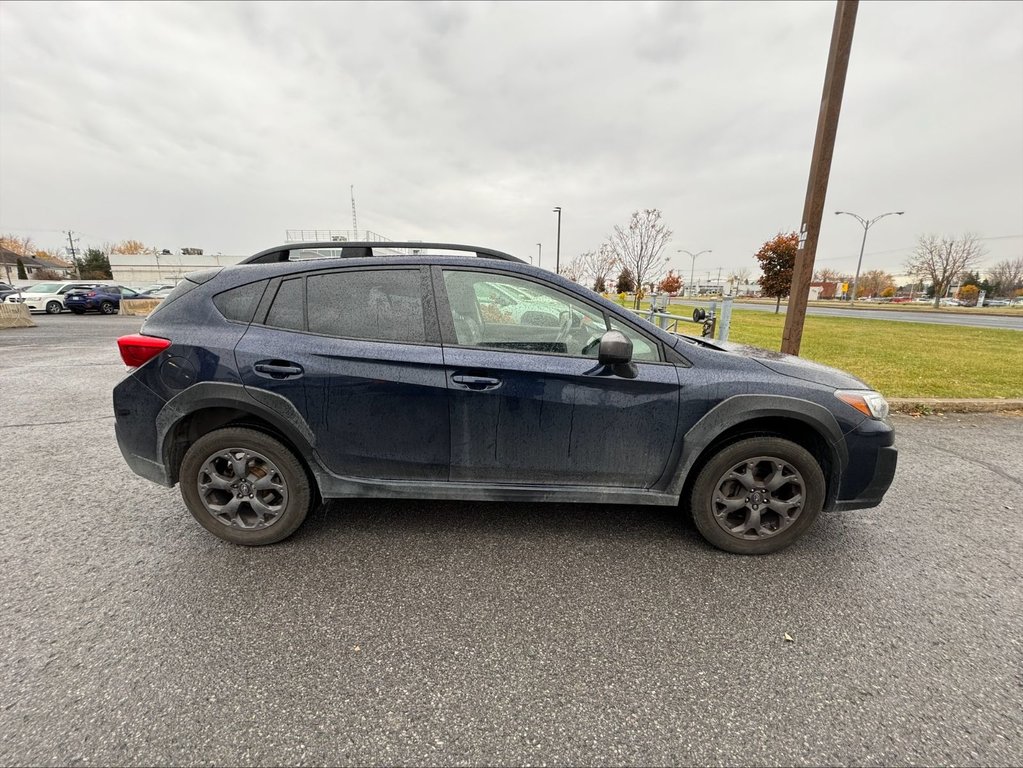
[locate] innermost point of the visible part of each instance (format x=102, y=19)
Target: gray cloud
x=221, y=125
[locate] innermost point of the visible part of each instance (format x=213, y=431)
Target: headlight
x=868, y=403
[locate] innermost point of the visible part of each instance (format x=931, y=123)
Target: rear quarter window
x=183, y=287
x=240, y=303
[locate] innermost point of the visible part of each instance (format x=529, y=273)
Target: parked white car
x=47, y=297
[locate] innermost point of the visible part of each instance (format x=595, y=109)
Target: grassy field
x=899, y=359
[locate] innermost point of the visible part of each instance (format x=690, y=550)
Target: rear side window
x=381, y=305
x=240, y=303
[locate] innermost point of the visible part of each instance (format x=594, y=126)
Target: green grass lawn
x=899, y=359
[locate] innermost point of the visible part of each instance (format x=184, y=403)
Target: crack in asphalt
x=986, y=465
x=53, y=423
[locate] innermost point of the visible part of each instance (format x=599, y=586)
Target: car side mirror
x=615, y=349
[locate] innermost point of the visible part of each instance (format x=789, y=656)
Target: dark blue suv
x=324, y=370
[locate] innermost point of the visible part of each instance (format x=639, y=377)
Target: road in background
x=413, y=632
x=905, y=316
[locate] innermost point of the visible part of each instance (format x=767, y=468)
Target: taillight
x=91, y=294
x=137, y=350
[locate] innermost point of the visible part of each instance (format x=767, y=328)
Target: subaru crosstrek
x=319, y=371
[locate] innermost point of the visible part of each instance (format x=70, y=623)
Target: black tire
x=54, y=307
x=738, y=512
x=107, y=308
x=210, y=461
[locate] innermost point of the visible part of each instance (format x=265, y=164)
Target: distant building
x=148, y=268
x=822, y=291
x=9, y=266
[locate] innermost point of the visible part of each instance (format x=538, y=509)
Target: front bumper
x=35, y=305
x=872, y=462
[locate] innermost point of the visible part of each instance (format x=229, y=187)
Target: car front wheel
x=107, y=308
x=757, y=495
x=245, y=486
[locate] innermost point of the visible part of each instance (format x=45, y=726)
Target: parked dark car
x=100, y=298
x=6, y=289
x=265, y=386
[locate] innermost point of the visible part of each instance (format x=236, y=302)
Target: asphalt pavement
x=388, y=633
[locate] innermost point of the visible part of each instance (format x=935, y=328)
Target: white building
x=149, y=268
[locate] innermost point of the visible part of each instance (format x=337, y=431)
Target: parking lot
x=468, y=633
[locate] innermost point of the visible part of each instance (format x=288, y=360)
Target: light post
x=867, y=224
x=539, y=253
x=557, y=252
x=692, y=271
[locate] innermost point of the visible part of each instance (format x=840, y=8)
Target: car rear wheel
x=107, y=308
x=757, y=495
x=53, y=307
x=245, y=486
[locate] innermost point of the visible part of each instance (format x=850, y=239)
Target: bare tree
x=874, y=283
x=578, y=268
x=826, y=275
x=23, y=246
x=638, y=246
x=942, y=260
x=133, y=247
x=1006, y=276
x=740, y=277
x=602, y=266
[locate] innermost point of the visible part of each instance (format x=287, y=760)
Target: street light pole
x=557, y=253
x=692, y=271
x=539, y=253
x=866, y=224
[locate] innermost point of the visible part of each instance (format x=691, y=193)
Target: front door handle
x=279, y=369
x=476, y=383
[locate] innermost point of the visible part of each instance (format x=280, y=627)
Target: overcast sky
x=222, y=125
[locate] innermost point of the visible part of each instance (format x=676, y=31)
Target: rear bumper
x=136, y=407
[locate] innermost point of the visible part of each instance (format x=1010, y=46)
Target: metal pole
x=820, y=171
x=856, y=279
x=692, y=271
x=539, y=253
x=866, y=224
x=557, y=253
x=726, y=318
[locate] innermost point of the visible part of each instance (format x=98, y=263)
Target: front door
x=529, y=404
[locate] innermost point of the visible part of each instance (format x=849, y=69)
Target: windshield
x=44, y=288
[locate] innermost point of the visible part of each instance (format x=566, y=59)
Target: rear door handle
x=279, y=369
x=477, y=383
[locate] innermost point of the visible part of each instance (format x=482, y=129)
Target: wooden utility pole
x=820, y=171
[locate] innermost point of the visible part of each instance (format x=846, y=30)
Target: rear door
x=357, y=353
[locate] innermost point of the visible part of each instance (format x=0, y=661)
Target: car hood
x=796, y=367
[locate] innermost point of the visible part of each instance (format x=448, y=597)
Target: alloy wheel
x=758, y=498
x=242, y=489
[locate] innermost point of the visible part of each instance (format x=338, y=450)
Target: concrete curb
x=953, y=405
x=138, y=307
x=15, y=316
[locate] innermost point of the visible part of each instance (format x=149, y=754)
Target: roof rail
x=359, y=250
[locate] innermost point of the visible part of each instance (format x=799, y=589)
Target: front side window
x=510, y=313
